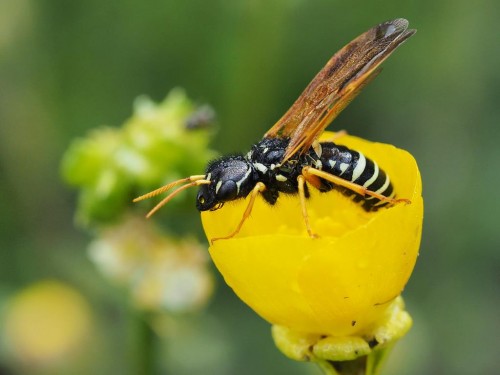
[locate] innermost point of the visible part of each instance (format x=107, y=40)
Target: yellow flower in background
x=340, y=284
x=45, y=323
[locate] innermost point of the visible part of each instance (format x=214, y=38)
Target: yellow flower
x=46, y=323
x=339, y=284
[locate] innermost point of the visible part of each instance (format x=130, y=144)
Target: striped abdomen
x=355, y=167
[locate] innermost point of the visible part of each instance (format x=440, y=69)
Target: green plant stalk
x=142, y=343
x=366, y=365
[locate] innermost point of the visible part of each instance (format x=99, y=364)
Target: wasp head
x=230, y=178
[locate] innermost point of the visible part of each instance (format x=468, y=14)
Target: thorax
x=266, y=158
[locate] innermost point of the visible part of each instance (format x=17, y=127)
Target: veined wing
x=337, y=84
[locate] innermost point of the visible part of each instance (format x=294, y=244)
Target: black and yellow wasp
x=289, y=159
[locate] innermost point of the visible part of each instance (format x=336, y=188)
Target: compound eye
x=227, y=191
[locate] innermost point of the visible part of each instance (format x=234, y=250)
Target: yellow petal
x=340, y=283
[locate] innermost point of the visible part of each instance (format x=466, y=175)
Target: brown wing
x=333, y=88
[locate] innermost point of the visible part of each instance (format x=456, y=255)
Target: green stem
x=377, y=358
x=327, y=368
x=142, y=344
x=147, y=347
x=366, y=365
x=354, y=367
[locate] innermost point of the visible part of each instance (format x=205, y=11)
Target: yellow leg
x=308, y=171
x=336, y=136
x=258, y=188
x=302, y=195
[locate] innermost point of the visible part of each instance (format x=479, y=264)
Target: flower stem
x=354, y=367
x=366, y=365
x=142, y=348
x=376, y=359
x=146, y=347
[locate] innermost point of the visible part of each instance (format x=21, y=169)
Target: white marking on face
x=260, y=167
x=360, y=167
x=280, y=177
x=332, y=163
x=217, y=187
x=209, y=176
x=238, y=184
x=273, y=166
x=318, y=164
x=374, y=177
x=265, y=150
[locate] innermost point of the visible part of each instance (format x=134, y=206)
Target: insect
x=204, y=117
x=289, y=159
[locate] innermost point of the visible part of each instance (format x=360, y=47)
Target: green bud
x=156, y=145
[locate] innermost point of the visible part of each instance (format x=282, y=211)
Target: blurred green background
x=66, y=67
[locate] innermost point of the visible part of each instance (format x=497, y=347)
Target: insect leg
x=308, y=171
x=301, y=180
x=258, y=188
x=336, y=136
